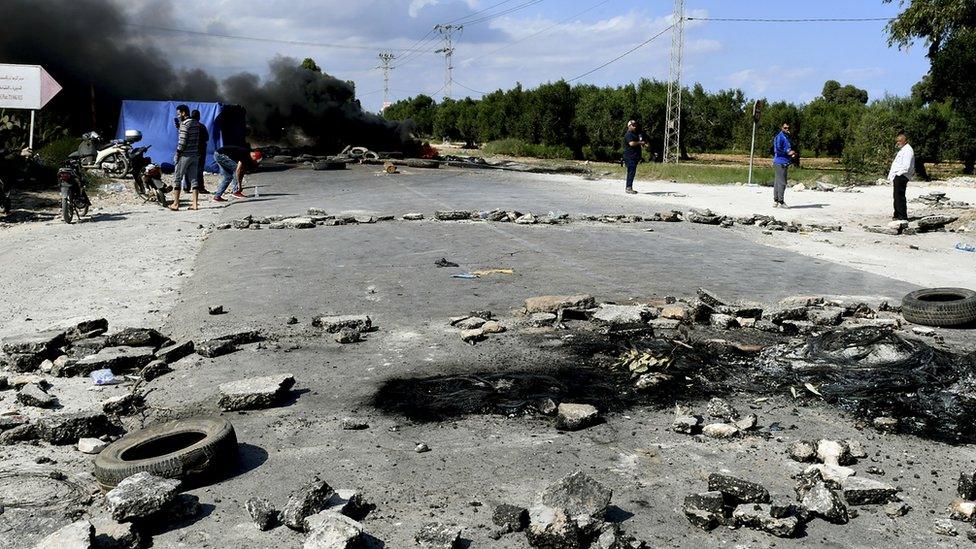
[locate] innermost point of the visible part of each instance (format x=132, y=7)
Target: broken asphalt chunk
x=328, y=530
x=335, y=323
x=263, y=513
x=573, y=417
x=739, y=490
x=141, y=496
x=556, y=303
x=305, y=502
x=255, y=393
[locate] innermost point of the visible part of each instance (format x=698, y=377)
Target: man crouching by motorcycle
x=234, y=162
x=187, y=158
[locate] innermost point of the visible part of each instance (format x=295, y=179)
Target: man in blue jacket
x=783, y=154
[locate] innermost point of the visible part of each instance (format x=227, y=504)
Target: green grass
x=721, y=175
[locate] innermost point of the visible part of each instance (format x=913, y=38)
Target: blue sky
x=777, y=60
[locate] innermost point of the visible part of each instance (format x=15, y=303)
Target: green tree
x=309, y=64
x=948, y=30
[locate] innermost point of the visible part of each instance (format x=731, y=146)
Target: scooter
x=113, y=158
x=74, y=199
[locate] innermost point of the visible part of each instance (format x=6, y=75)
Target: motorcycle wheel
x=84, y=204
x=67, y=210
x=121, y=163
x=161, y=197
x=139, y=186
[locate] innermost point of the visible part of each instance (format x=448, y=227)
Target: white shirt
x=904, y=163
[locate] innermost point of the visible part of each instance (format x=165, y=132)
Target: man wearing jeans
x=902, y=170
x=187, y=157
x=234, y=162
x=783, y=154
x=633, y=141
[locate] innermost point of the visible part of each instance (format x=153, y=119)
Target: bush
x=601, y=154
x=518, y=147
x=56, y=152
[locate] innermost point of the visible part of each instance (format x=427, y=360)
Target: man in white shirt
x=902, y=169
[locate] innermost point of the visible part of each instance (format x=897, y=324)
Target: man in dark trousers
x=902, y=170
x=186, y=158
x=633, y=142
x=234, y=162
x=783, y=154
x=204, y=142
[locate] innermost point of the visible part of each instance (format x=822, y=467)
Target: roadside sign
x=757, y=108
x=26, y=87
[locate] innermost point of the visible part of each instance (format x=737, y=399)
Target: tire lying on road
x=940, y=307
x=198, y=449
x=328, y=165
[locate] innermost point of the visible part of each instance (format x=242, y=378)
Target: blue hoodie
x=781, y=149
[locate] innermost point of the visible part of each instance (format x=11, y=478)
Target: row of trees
x=589, y=121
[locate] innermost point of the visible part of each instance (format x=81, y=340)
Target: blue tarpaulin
x=155, y=120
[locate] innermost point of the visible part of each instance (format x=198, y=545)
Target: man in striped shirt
x=187, y=158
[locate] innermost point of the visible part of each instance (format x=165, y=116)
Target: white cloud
x=773, y=78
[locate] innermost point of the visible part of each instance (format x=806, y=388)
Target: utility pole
x=447, y=31
x=386, y=58
x=672, y=124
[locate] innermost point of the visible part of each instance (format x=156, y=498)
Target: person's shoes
x=218, y=198
x=238, y=194
x=631, y=191
x=783, y=205
x=776, y=204
x=201, y=190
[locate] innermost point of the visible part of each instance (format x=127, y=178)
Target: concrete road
x=386, y=270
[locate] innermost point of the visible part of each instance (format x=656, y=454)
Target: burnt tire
x=195, y=449
x=940, y=307
x=328, y=165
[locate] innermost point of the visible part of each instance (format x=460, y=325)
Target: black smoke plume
x=100, y=58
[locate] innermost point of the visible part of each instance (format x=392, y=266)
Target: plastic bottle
x=965, y=247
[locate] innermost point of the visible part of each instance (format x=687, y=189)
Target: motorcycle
x=147, y=177
x=112, y=158
x=74, y=199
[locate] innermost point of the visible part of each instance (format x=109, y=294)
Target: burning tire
x=940, y=307
x=197, y=447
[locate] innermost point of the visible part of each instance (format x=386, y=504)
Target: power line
x=812, y=20
x=491, y=7
x=622, y=55
x=547, y=29
x=470, y=89
x=253, y=38
x=505, y=12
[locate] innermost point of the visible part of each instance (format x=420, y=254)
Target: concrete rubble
x=255, y=393
x=141, y=497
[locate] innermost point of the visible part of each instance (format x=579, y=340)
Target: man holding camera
x=633, y=143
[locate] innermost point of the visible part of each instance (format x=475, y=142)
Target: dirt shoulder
x=125, y=262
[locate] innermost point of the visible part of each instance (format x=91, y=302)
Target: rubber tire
x=122, y=165
x=139, y=186
x=919, y=310
x=67, y=210
x=206, y=459
x=161, y=197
